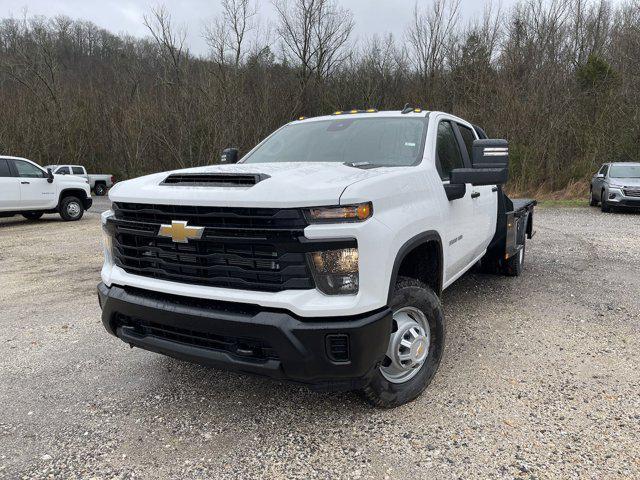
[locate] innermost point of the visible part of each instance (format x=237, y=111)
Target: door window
x=447, y=151
x=27, y=170
x=77, y=170
x=4, y=168
x=468, y=137
x=63, y=171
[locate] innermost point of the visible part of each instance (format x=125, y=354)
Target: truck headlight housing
x=107, y=238
x=347, y=213
x=336, y=271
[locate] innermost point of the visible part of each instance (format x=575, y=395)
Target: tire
x=604, y=206
x=414, y=297
x=514, y=266
x=71, y=209
x=100, y=189
x=32, y=215
x=593, y=202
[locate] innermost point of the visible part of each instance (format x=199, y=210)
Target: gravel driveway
x=540, y=377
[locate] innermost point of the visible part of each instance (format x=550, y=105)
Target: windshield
x=624, y=171
x=379, y=141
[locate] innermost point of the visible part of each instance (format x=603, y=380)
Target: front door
x=458, y=214
x=35, y=190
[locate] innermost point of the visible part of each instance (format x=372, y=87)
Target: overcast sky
x=125, y=16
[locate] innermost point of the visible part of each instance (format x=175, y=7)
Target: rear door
x=35, y=190
x=458, y=214
x=484, y=198
x=9, y=187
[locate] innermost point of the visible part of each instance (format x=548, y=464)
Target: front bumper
x=616, y=197
x=248, y=338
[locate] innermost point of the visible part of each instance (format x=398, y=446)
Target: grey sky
x=125, y=16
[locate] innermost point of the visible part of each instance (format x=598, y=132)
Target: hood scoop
x=214, y=179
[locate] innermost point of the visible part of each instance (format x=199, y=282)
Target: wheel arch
x=71, y=192
x=427, y=244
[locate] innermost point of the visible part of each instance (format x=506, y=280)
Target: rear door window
x=4, y=168
x=78, y=170
x=63, y=171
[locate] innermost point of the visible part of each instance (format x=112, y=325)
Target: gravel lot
x=540, y=378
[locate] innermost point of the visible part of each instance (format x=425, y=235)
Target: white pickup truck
x=99, y=183
x=29, y=190
x=320, y=256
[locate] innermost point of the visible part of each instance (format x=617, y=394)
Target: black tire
x=32, y=215
x=604, y=206
x=382, y=393
x=593, y=202
x=100, y=189
x=71, y=209
x=514, y=266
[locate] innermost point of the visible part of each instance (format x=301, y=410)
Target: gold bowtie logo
x=179, y=232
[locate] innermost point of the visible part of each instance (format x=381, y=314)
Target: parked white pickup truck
x=99, y=183
x=320, y=257
x=29, y=190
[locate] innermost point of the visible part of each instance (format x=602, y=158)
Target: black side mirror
x=490, y=164
x=229, y=155
x=49, y=175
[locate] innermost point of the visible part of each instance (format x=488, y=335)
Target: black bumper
x=87, y=202
x=325, y=353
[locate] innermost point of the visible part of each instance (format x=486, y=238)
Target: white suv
x=29, y=190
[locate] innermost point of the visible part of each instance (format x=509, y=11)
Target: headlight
x=336, y=271
x=613, y=185
x=348, y=213
x=107, y=239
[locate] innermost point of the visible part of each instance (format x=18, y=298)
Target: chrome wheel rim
x=408, y=345
x=73, y=209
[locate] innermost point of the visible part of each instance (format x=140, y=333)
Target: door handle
x=24, y=183
x=475, y=194
x=494, y=189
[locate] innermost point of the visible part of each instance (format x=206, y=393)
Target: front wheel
x=71, y=209
x=415, y=346
x=32, y=215
x=593, y=202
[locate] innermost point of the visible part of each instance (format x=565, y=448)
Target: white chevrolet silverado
x=320, y=256
x=29, y=190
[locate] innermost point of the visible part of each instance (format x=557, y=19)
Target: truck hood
x=284, y=185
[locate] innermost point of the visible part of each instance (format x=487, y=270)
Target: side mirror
x=599, y=175
x=229, y=155
x=49, y=175
x=490, y=164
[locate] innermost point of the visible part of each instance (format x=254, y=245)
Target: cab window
x=4, y=168
x=77, y=170
x=27, y=170
x=468, y=137
x=63, y=171
x=448, y=155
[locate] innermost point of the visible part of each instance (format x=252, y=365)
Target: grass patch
x=574, y=202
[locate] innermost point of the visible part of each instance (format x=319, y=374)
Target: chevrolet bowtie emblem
x=180, y=233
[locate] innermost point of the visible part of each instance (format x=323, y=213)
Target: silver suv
x=616, y=185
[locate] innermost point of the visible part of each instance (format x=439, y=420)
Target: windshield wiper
x=363, y=165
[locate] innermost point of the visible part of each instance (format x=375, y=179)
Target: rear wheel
x=100, y=190
x=415, y=346
x=513, y=267
x=71, y=209
x=32, y=215
x=604, y=206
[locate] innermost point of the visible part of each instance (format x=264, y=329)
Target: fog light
x=612, y=196
x=336, y=271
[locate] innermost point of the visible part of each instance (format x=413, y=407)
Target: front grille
x=244, y=248
x=632, y=192
x=247, y=348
